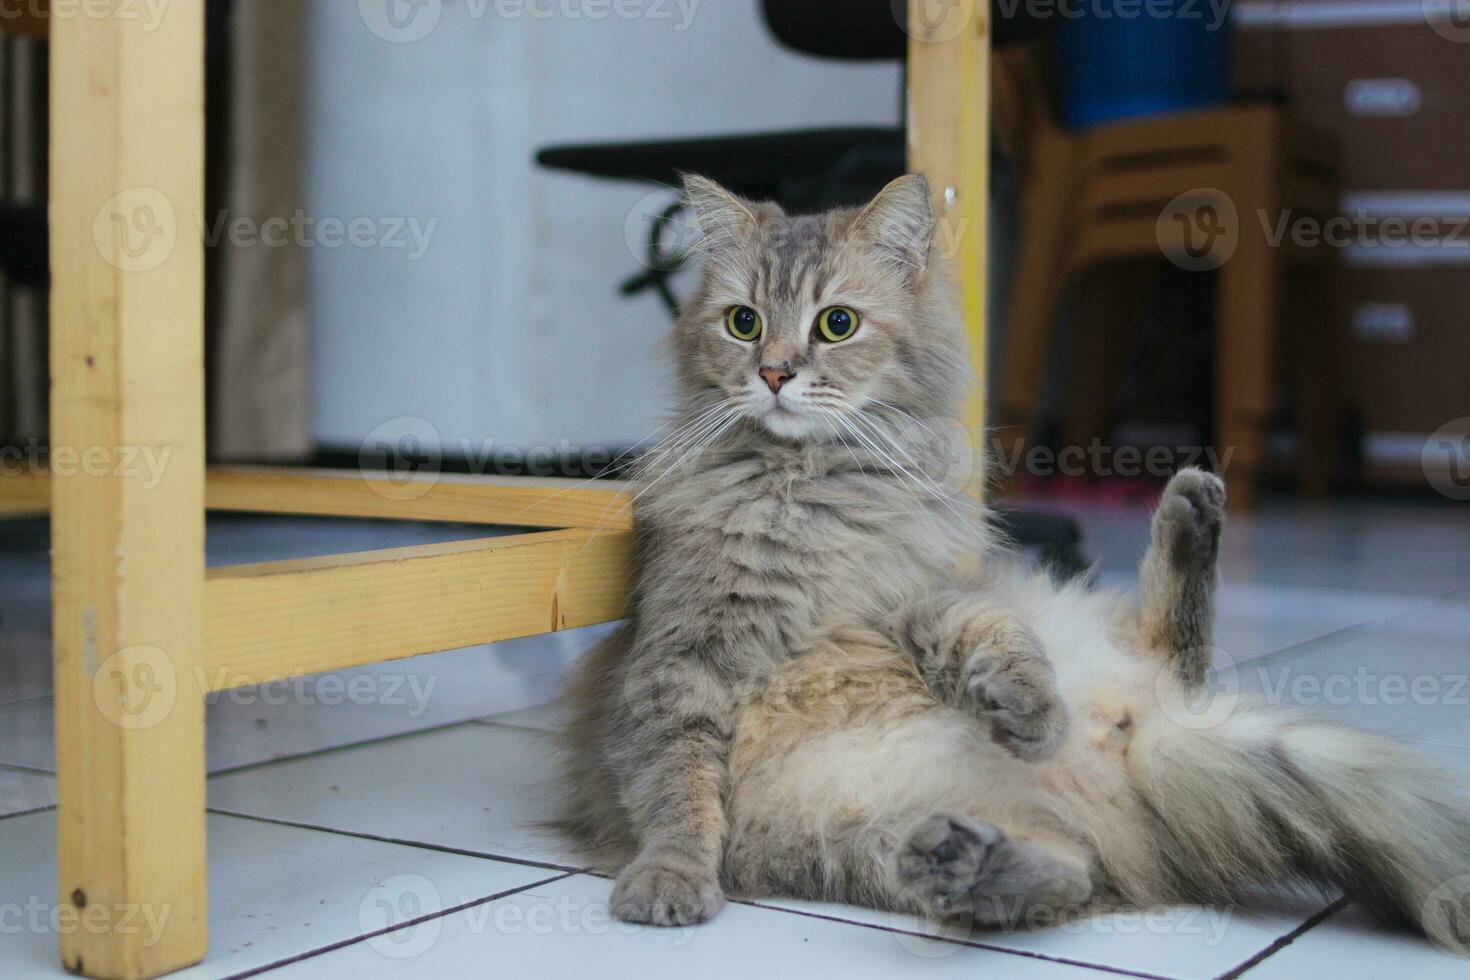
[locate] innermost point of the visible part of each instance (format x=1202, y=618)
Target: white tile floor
x=394, y=829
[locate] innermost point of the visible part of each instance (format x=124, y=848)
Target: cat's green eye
x=743, y=323
x=836, y=323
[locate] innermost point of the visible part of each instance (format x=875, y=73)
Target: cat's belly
x=852, y=733
x=855, y=730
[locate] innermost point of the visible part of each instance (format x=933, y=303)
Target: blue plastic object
x=1118, y=59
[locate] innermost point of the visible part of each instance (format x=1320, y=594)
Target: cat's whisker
x=921, y=472
x=697, y=444
x=684, y=435
x=631, y=453
x=893, y=465
x=826, y=419
x=894, y=408
x=881, y=436
x=918, y=479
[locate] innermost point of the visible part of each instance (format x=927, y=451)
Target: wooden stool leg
x=127, y=450
x=949, y=140
x=1316, y=330
x=1038, y=287
x=1112, y=302
x=1247, y=326
x=1245, y=338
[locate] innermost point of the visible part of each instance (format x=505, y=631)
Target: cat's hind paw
x=1187, y=523
x=942, y=860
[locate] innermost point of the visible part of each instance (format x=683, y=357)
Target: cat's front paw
x=1013, y=688
x=666, y=890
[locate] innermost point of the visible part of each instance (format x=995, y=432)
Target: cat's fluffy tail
x=1267, y=794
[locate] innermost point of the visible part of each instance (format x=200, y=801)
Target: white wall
x=509, y=328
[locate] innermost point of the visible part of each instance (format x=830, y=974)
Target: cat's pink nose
x=776, y=377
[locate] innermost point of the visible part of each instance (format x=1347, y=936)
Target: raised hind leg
x=1177, y=614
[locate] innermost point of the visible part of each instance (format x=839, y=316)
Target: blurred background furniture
x=1388, y=81
x=1207, y=188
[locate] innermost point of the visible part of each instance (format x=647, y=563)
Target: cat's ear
x=724, y=218
x=900, y=222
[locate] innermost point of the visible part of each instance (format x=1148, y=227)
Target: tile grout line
x=325, y=750
x=26, y=813
x=409, y=924
x=39, y=701
x=571, y=870
x=1321, y=641
x=1284, y=941
x=421, y=845
x=329, y=749
x=520, y=728
x=973, y=944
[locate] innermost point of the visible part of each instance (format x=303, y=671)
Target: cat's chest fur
x=768, y=554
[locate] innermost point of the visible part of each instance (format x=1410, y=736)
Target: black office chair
x=806, y=170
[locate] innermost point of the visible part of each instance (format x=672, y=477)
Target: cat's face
x=801, y=320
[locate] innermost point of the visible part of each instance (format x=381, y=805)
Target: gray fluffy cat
x=810, y=699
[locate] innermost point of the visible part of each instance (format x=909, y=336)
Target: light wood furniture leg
x=127, y=145
x=1316, y=355
x=949, y=140
x=1113, y=300
x=1048, y=192
x=1245, y=338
